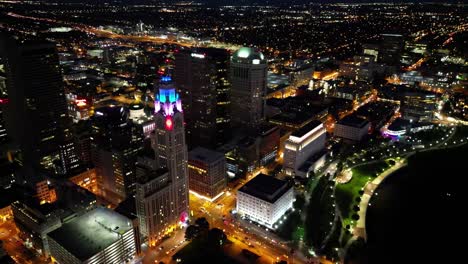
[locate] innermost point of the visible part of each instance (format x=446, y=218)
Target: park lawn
x=346, y=194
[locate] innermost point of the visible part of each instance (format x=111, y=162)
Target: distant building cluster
x=108, y=133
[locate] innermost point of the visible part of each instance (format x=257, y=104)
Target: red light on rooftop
x=3, y=100
x=169, y=124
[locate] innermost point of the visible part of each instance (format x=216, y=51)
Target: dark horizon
x=266, y=2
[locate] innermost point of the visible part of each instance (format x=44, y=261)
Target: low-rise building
x=35, y=220
x=264, y=199
x=419, y=106
x=352, y=128
x=99, y=236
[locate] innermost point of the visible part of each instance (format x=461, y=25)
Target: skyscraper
x=249, y=84
x=117, y=143
x=162, y=186
x=168, y=142
x=202, y=79
x=37, y=107
x=391, y=48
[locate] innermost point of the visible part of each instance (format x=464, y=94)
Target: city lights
x=260, y=131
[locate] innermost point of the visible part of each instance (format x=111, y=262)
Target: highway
x=133, y=38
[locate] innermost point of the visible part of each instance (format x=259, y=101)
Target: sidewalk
x=360, y=229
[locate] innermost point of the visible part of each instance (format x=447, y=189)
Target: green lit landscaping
x=348, y=195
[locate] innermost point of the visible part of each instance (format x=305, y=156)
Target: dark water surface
x=415, y=218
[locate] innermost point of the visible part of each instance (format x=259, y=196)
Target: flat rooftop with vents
x=266, y=187
x=91, y=233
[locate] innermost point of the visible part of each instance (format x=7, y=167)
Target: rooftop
x=127, y=208
x=252, y=55
x=306, y=129
x=149, y=174
x=92, y=232
x=353, y=121
x=267, y=188
x=205, y=155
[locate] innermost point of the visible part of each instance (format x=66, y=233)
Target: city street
x=244, y=234
x=14, y=246
x=164, y=251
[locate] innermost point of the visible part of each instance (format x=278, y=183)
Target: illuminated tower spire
x=168, y=142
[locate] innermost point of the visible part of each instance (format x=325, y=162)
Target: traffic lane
x=216, y=218
x=166, y=249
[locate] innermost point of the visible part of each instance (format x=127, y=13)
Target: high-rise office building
x=248, y=87
x=37, y=108
x=202, y=79
x=391, y=48
x=68, y=154
x=117, y=143
x=207, y=173
x=153, y=203
x=162, y=186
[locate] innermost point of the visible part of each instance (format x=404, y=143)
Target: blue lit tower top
x=167, y=100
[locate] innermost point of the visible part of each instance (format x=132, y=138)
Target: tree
x=299, y=202
x=202, y=224
x=191, y=232
x=310, y=182
x=216, y=237
x=292, y=222
x=339, y=166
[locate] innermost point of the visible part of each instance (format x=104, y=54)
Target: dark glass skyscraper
x=249, y=84
x=202, y=79
x=36, y=109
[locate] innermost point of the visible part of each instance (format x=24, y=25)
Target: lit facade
x=302, y=144
x=162, y=197
x=86, y=179
x=264, y=199
x=153, y=203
